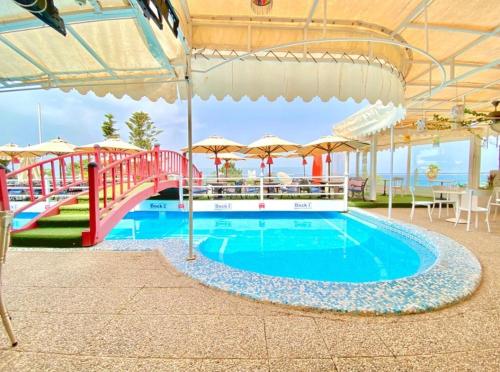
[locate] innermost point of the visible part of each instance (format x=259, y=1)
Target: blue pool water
x=306, y=245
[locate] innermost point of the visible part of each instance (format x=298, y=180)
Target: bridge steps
x=63, y=230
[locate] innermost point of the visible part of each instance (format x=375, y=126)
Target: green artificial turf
x=399, y=201
x=60, y=237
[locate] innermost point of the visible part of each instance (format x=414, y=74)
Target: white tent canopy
x=372, y=119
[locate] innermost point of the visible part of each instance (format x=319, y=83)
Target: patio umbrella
x=10, y=151
x=35, y=172
x=328, y=144
x=215, y=145
x=228, y=157
x=56, y=146
x=263, y=156
x=268, y=145
x=111, y=144
x=299, y=154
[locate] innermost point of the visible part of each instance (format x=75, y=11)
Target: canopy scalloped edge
x=370, y=120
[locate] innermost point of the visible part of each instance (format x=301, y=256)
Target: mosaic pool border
x=455, y=274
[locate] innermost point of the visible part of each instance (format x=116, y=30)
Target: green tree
x=142, y=130
x=108, y=127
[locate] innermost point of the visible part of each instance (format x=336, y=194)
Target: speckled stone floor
x=100, y=310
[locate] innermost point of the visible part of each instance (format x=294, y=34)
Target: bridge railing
x=42, y=180
x=112, y=184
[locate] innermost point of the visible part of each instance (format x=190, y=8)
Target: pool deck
x=100, y=310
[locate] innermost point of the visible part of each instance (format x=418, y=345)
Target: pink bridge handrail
x=112, y=184
x=69, y=167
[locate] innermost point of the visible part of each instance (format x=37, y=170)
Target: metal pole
x=5, y=226
x=389, y=214
x=346, y=181
x=408, y=167
x=39, y=123
x=191, y=255
x=373, y=168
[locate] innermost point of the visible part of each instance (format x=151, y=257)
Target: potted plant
x=432, y=172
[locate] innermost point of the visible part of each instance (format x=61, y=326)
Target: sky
x=77, y=118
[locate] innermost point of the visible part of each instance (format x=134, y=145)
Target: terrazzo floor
x=103, y=310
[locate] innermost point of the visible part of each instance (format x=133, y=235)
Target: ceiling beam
x=27, y=57
x=73, y=18
x=417, y=98
x=472, y=91
x=411, y=16
x=151, y=41
x=311, y=13
x=438, y=27
x=95, y=4
x=471, y=45
x=90, y=50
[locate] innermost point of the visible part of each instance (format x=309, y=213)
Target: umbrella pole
x=226, y=167
x=191, y=255
x=217, y=170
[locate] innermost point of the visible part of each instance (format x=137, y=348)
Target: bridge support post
x=4, y=195
x=90, y=238
x=157, y=167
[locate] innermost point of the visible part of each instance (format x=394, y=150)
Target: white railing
x=262, y=188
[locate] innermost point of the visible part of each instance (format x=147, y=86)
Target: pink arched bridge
x=113, y=182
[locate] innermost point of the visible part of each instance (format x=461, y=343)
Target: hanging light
x=270, y=160
x=304, y=161
x=217, y=161
x=328, y=158
x=261, y=7
x=262, y=165
x=421, y=124
x=457, y=113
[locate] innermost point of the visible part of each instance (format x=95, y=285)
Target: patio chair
x=496, y=201
x=397, y=185
x=233, y=190
x=423, y=203
x=437, y=191
x=357, y=185
x=468, y=203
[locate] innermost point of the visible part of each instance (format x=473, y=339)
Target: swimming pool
x=326, y=246
x=351, y=262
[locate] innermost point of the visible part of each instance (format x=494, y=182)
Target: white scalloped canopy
x=272, y=79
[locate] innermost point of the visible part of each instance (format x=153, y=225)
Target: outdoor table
x=442, y=182
x=459, y=193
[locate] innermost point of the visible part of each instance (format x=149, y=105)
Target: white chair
x=397, y=185
x=496, y=201
x=468, y=203
x=437, y=192
x=414, y=203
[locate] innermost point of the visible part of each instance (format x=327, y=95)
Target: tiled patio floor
x=91, y=310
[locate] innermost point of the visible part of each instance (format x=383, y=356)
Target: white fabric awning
x=273, y=79
x=370, y=120
x=110, y=47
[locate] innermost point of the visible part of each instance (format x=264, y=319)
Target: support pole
x=357, y=163
x=408, y=167
x=5, y=227
x=364, y=164
x=191, y=255
x=474, y=161
x=391, y=165
x=346, y=180
x=373, y=168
